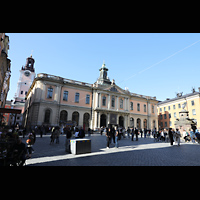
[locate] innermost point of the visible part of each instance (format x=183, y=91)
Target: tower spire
x=31, y=53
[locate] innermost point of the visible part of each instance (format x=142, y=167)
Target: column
x=100, y=100
x=126, y=121
x=98, y=119
x=128, y=102
x=117, y=118
x=108, y=101
x=95, y=120
x=128, y=118
x=108, y=119
x=98, y=96
x=125, y=104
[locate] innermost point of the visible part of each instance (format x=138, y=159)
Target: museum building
x=53, y=100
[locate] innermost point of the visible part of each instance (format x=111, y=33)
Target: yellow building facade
x=168, y=110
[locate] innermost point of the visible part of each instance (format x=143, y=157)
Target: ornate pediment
x=113, y=89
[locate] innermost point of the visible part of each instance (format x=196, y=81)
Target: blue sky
x=152, y=64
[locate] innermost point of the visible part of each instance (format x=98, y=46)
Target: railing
x=65, y=80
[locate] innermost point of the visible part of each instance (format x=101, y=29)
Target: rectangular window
x=65, y=96
x=179, y=105
x=138, y=107
x=170, y=116
x=165, y=116
x=168, y=107
x=103, y=101
x=194, y=112
x=113, y=101
x=175, y=115
x=121, y=103
x=145, y=108
x=21, y=92
x=153, y=108
x=77, y=97
x=50, y=93
x=131, y=105
x=174, y=106
x=165, y=124
x=164, y=108
x=192, y=102
x=87, y=100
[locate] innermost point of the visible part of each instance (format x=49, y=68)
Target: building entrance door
x=103, y=120
x=121, y=121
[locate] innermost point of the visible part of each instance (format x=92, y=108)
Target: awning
x=8, y=110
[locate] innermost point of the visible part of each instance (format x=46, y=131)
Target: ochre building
x=169, y=110
x=53, y=100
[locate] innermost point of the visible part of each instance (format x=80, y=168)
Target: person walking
x=133, y=132
x=145, y=132
x=30, y=143
x=57, y=134
x=108, y=133
x=52, y=136
x=171, y=136
x=192, y=135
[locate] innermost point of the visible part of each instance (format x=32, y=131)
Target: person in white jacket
x=178, y=135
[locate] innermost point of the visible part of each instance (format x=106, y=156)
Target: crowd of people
x=115, y=134
x=163, y=135
x=12, y=149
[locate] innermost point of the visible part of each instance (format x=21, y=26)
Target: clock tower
x=27, y=75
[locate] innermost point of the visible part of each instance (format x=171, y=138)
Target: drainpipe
x=148, y=114
x=59, y=106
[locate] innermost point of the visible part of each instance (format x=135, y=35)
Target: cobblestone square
x=144, y=152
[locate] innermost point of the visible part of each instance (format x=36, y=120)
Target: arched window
x=75, y=117
x=47, y=116
x=63, y=116
x=139, y=123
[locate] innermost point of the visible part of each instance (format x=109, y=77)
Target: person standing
x=113, y=134
x=108, y=133
x=68, y=133
x=178, y=135
x=89, y=132
x=133, y=132
x=192, y=135
x=171, y=136
x=136, y=133
x=57, y=134
x=141, y=131
x=116, y=137
x=128, y=132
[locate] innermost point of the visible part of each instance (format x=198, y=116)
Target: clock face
x=27, y=73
